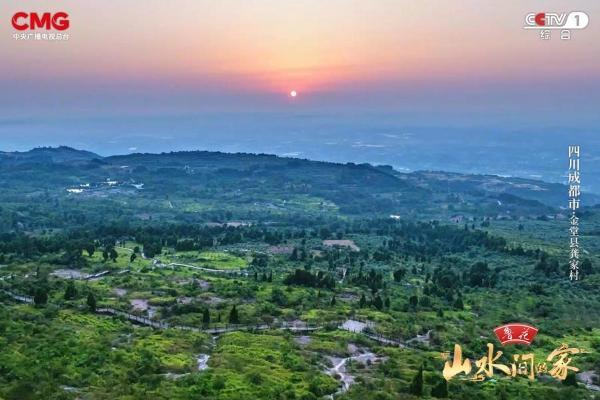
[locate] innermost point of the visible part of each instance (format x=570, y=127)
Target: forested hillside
x=203, y=275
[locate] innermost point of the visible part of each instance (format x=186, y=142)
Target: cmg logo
x=22, y=21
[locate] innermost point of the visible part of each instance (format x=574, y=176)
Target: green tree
x=333, y=301
x=458, y=303
x=219, y=382
x=501, y=393
x=113, y=254
x=481, y=275
x=570, y=380
x=259, y=260
x=399, y=274
x=278, y=297
x=440, y=390
x=377, y=302
x=148, y=363
x=152, y=249
x=416, y=386
x=255, y=378
x=40, y=297
x=91, y=301
x=70, y=291
x=413, y=301
x=206, y=317
x=363, y=301
x=90, y=248
x=234, y=318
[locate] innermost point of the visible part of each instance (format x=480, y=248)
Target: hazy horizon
x=376, y=139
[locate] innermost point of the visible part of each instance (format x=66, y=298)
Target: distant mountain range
x=334, y=181
x=47, y=155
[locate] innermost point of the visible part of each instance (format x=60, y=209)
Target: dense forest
x=205, y=275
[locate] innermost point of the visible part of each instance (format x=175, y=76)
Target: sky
x=427, y=65
x=195, y=55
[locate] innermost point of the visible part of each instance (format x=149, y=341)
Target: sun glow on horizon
x=293, y=93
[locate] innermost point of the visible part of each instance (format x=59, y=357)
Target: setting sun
x=293, y=93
